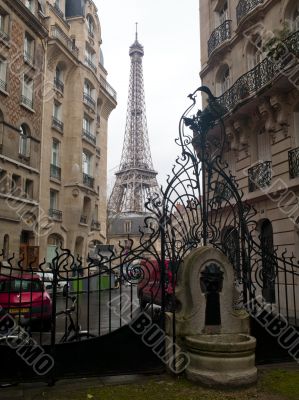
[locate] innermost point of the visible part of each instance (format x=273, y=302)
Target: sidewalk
x=157, y=387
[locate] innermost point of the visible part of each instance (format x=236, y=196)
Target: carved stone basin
x=222, y=359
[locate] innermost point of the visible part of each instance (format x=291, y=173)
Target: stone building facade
x=23, y=37
x=257, y=87
x=54, y=135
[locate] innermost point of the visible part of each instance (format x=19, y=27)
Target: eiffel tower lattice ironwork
x=136, y=178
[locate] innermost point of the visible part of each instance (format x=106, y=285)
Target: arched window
x=268, y=264
x=6, y=247
x=90, y=24
x=24, y=141
x=223, y=80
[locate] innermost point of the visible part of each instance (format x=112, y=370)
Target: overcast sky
x=169, y=32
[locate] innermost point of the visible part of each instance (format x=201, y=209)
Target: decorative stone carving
x=232, y=137
x=280, y=105
x=267, y=115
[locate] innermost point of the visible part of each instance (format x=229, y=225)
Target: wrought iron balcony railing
x=88, y=100
x=245, y=6
x=89, y=136
x=57, y=33
x=108, y=87
x=95, y=225
x=83, y=219
x=88, y=180
x=222, y=192
x=55, y=214
x=3, y=85
x=259, y=176
x=90, y=64
x=27, y=102
x=57, y=124
x=219, y=35
x=294, y=163
x=261, y=75
x=59, y=84
x=55, y=172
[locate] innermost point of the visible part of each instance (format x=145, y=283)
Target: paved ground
x=276, y=382
x=94, y=313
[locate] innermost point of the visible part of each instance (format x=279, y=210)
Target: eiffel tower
x=136, y=178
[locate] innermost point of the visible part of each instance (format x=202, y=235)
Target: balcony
x=88, y=180
x=259, y=176
x=261, y=75
x=219, y=36
x=95, y=225
x=57, y=124
x=108, y=88
x=59, y=85
x=3, y=85
x=90, y=64
x=83, y=219
x=57, y=33
x=27, y=102
x=55, y=172
x=55, y=214
x=244, y=7
x=89, y=101
x=294, y=163
x=89, y=136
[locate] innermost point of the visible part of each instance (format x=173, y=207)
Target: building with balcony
x=54, y=110
x=74, y=145
x=249, y=56
x=23, y=34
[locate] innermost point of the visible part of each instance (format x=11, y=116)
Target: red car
x=149, y=287
x=25, y=298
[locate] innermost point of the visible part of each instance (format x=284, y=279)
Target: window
x=53, y=199
x=29, y=188
x=55, y=153
x=28, y=48
x=87, y=163
x=16, y=184
x=4, y=25
x=128, y=226
x=90, y=24
x=223, y=13
x=88, y=95
x=58, y=79
x=27, y=92
x=3, y=72
x=87, y=125
x=222, y=80
x=254, y=52
x=90, y=58
x=57, y=110
x=24, y=142
x=30, y=5
x=87, y=88
x=296, y=19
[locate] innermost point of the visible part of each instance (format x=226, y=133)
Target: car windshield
x=20, y=285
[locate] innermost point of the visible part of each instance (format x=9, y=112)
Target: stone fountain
x=208, y=328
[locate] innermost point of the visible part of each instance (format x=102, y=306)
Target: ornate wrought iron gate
x=120, y=297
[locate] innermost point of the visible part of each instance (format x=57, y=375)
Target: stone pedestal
x=215, y=337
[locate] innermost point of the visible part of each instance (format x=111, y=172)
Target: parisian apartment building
x=258, y=93
x=55, y=102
